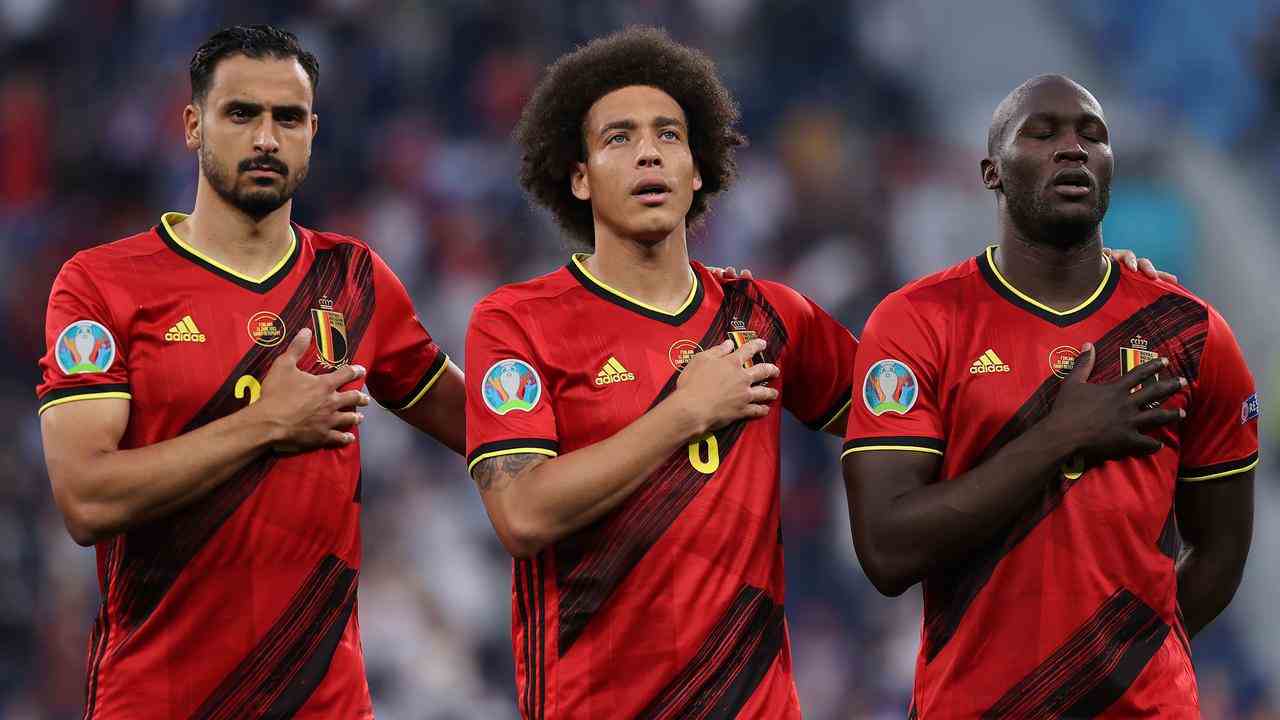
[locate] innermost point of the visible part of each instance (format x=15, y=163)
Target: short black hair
x=253, y=41
x=550, y=131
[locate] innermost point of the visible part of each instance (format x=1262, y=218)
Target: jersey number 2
x=248, y=385
x=712, y=454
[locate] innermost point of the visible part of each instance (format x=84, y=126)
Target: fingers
x=748, y=349
x=1135, y=377
x=350, y=399
x=1167, y=277
x=762, y=372
x=746, y=274
x=1144, y=444
x=1084, y=365
x=1148, y=419
x=1148, y=268
x=338, y=438
x=761, y=394
x=729, y=273
x=344, y=375
x=297, y=347
x=344, y=420
x=1158, y=391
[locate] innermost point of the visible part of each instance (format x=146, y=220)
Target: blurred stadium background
x=868, y=119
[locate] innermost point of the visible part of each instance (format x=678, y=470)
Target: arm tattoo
x=497, y=473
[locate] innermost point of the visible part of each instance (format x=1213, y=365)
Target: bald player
x=1061, y=450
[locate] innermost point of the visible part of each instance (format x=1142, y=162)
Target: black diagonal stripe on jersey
x=911, y=712
x=101, y=635
x=1170, y=542
x=1175, y=324
x=729, y=665
x=288, y=663
x=823, y=420
x=155, y=554
x=1092, y=669
x=591, y=563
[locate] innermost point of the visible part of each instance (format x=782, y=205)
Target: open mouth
x=651, y=192
x=1075, y=182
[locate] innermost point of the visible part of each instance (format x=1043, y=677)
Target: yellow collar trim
x=991, y=262
x=577, y=259
x=174, y=217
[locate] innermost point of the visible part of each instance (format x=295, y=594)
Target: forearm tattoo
x=497, y=473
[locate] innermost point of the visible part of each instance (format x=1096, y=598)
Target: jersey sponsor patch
x=85, y=346
x=1250, y=409
x=890, y=387
x=1062, y=360
x=266, y=328
x=510, y=385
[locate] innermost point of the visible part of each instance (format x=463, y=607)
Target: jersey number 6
x=712, y=453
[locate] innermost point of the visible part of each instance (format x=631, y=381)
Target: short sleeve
x=406, y=361
x=1220, y=434
x=819, y=361
x=84, y=358
x=508, y=410
x=897, y=375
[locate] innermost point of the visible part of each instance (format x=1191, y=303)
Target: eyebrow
x=1056, y=117
x=659, y=121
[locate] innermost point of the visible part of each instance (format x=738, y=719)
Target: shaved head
x=1012, y=106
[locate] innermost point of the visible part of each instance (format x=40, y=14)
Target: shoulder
x=528, y=296
x=110, y=265
x=937, y=295
x=1142, y=288
x=322, y=240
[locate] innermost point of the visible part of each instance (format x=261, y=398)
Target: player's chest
x=1001, y=376
x=199, y=352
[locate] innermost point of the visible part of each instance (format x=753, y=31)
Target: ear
x=990, y=174
x=315, y=125
x=697, y=179
x=579, y=183
x=191, y=126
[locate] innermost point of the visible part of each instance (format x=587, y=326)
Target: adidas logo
x=990, y=362
x=613, y=372
x=184, y=330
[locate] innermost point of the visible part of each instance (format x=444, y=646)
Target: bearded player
x=623, y=412
x=1071, y=479
x=217, y=468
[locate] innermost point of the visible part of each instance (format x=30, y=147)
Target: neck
x=220, y=230
x=1060, y=276
x=655, y=273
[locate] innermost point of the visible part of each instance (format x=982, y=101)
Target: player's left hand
x=1135, y=263
x=729, y=274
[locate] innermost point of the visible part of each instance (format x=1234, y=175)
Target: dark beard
x=256, y=202
x=1035, y=220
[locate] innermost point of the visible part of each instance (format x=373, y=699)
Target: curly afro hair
x=550, y=131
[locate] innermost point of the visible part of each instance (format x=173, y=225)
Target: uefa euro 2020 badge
x=890, y=387
x=511, y=385
x=85, y=346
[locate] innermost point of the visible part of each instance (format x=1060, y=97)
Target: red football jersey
x=1071, y=610
x=241, y=605
x=671, y=606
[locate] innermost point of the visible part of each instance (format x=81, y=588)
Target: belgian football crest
x=741, y=336
x=85, y=346
x=331, y=333
x=890, y=387
x=1136, y=354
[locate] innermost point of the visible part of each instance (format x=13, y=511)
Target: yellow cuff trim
x=908, y=448
x=1225, y=473
x=843, y=409
x=512, y=451
x=425, y=388
x=86, y=396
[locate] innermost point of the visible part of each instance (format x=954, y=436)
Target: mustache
x=264, y=162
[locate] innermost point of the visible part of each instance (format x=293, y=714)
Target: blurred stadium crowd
x=867, y=120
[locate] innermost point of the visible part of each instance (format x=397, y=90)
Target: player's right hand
x=718, y=390
x=1107, y=421
x=309, y=411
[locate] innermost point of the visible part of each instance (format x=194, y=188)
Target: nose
x=647, y=154
x=1073, y=152
x=265, y=141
